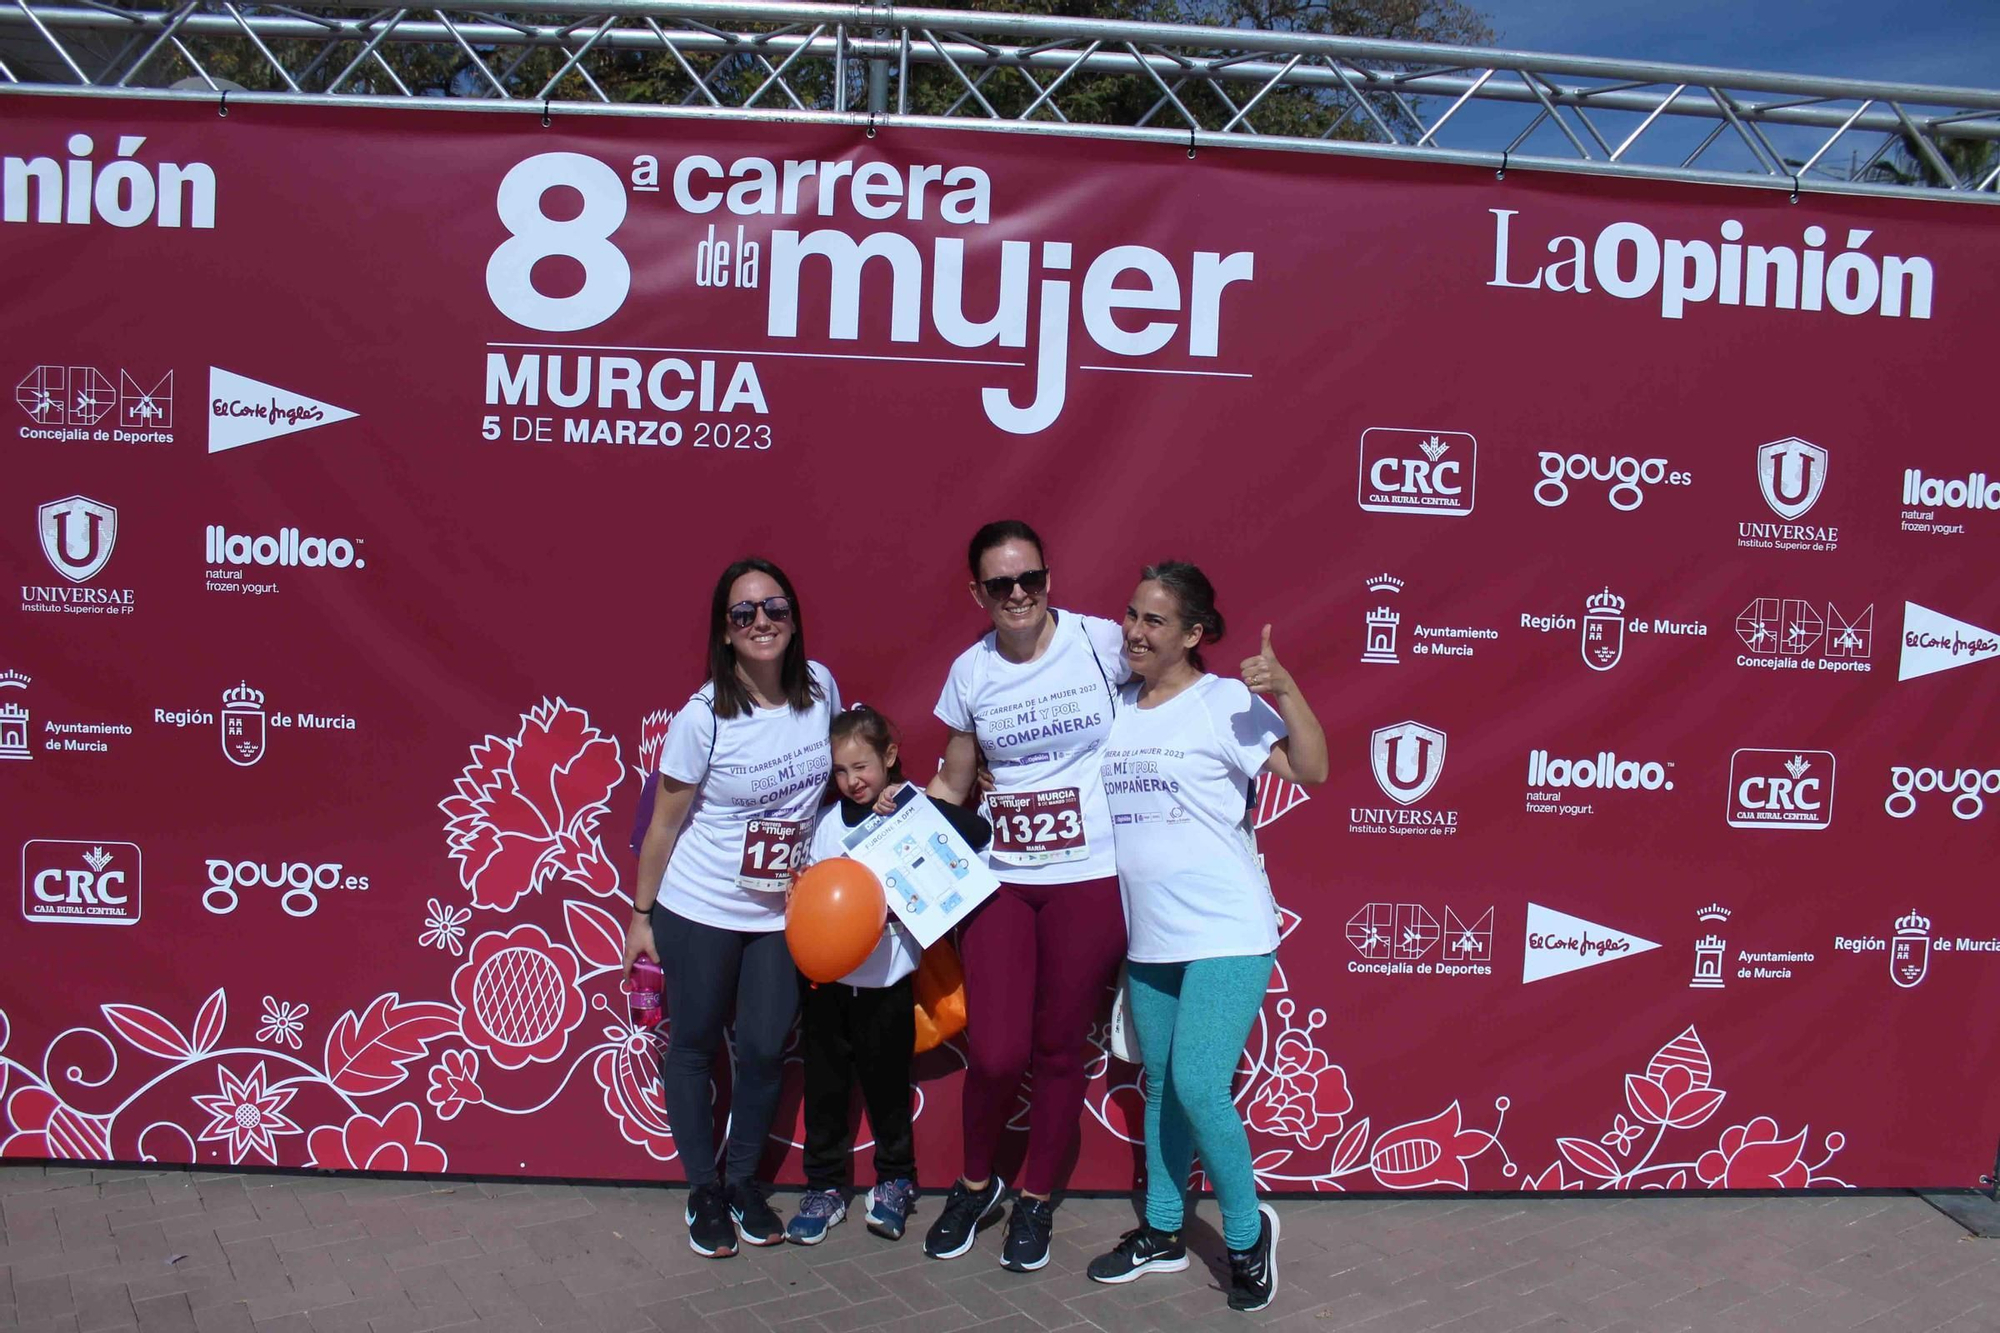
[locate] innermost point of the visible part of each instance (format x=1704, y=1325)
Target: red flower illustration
x=653, y=729
x=518, y=997
x=393, y=1143
x=629, y=1074
x=455, y=1083
x=1753, y=1157
x=526, y=810
x=247, y=1115
x=1305, y=1096
x=1672, y=1096
x=1428, y=1152
x=44, y=1127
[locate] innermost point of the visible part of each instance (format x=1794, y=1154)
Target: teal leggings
x=1192, y=1020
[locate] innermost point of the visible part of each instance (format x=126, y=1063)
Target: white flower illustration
x=283, y=1022
x=445, y=927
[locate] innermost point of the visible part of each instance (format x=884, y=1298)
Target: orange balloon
x=835, y=919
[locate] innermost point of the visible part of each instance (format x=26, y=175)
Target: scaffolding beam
x=1190, y=85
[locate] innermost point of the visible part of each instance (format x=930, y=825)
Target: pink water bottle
x=643, y=988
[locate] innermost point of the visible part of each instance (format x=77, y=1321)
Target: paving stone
x=233, y=1317
x=100, y=1250
x=165, y=1314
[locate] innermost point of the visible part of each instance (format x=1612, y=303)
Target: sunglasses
x=1034, y=582
x=777, y=610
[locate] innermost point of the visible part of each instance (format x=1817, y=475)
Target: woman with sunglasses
x=1034, y=698
x=740, y=779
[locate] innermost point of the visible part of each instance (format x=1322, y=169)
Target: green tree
x=636, y=75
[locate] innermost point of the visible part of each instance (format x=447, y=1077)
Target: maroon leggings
x=1037, y=959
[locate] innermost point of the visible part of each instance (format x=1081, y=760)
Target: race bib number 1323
x=1038, y=828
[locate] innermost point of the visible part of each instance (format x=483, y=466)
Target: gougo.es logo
x=297, y=883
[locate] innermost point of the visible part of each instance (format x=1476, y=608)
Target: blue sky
x=1951, y=42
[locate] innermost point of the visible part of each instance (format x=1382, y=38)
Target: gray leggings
x=709, y=970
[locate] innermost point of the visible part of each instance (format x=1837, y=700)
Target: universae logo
x=1407, y=759
x=78, y=534
x=1791, y=473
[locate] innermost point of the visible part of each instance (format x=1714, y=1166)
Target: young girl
x=862, y=1027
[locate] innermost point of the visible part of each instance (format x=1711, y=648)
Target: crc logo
x=1417, y=471
x=77, y=535
x=1628, y=477
x=1791, y=473
x=88, y=883
x=1407, y=759
x=1780, y=789
x=1972, y=785
x=301, y=884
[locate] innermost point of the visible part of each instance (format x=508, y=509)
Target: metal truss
x=1192, y=86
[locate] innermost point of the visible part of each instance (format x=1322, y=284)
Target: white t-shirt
x=896, y=956
x=758, y=779
x=1040, y=725
x=1177, y=779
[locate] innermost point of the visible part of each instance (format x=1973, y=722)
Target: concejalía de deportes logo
x=1134, y=301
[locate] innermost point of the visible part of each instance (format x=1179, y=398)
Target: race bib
x=1037, y=828
x=771, y=850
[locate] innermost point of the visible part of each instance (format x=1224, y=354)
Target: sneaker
x=965, y=1211
x=889, y=1205
x=711, y=1234
x=1028, y=1230
x=1253, y=1273
x=1146, y=1250
x=819, y=1212
x=756, y=1224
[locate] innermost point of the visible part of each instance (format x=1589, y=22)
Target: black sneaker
x=1028, y=1230
x=1253, y=1273
x=755, y=1222
x=1145, y=1250
x=711, y=1233
x=965, y=1211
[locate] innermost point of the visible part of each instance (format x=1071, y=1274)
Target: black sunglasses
x=1034, y=582
x=777, y=610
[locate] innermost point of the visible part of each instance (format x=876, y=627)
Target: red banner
x=370, y=470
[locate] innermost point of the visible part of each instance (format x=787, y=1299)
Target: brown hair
x=999, y=533
x=794, y=677
x=860, y=722
x=1195, y=596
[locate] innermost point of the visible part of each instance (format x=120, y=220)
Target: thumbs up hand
x=1264, y=673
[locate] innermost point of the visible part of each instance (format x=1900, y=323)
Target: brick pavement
x=176, y=1252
